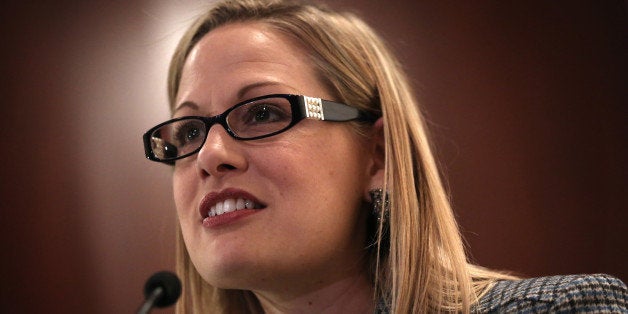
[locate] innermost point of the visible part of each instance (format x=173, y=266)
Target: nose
x=220, y=155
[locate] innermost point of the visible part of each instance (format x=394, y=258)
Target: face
x=306, y=185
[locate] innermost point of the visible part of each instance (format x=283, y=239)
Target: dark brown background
x=527, y=100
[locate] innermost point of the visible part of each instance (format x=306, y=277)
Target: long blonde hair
x=424, y=268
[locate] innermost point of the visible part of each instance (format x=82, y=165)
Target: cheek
x=183, y=189
x=324, y=178
x=277, y=164
x=185, y=192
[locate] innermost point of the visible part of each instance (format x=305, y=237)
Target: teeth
x=248, y=204
x=230, y=205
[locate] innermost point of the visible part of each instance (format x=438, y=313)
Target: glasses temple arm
x=335, y=111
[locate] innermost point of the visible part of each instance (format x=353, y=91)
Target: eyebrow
x=250, y=87
x=243, y=91
x=188, y=104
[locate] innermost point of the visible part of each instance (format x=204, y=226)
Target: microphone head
x=170, y=284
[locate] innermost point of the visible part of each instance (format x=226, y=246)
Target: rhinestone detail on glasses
x=314, y=108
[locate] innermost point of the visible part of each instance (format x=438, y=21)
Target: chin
x=229, y=272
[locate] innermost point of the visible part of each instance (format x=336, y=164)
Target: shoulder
x=572, y=293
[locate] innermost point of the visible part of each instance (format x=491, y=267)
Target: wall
x=528, y=106
x=527, y=102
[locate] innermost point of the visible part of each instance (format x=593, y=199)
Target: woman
x=304, y=179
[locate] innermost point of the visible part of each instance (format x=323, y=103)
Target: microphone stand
x=150, y=301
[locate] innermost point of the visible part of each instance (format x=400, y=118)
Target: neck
x=347, y=295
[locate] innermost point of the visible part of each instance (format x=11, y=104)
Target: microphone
x=162, y=289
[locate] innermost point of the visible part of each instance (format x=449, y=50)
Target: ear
x=377, y=146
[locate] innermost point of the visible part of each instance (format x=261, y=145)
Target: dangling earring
x=379, y=203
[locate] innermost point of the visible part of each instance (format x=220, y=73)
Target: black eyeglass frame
x=302, y=107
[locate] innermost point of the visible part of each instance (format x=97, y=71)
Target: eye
x=188, y=132
x=260, y=117
x=264, y=113
x=192, y=133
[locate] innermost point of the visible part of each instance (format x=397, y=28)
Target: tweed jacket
x=557, y=294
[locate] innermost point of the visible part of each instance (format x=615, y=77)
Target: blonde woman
x=304, y=179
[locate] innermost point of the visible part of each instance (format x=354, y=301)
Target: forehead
x=241, y=41
x=242, y=53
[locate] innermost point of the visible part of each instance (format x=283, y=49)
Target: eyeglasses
x=252, y=119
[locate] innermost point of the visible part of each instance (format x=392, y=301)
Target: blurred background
x=527, y=102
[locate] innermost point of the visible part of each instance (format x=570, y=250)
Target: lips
x=228, y=201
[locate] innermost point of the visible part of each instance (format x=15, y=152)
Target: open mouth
x=231, y=205
x=218, y=207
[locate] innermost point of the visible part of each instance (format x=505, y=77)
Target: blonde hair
x=424, y=267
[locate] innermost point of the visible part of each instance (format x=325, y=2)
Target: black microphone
x=162, y=289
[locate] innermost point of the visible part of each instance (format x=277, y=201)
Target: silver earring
x=379, y=202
